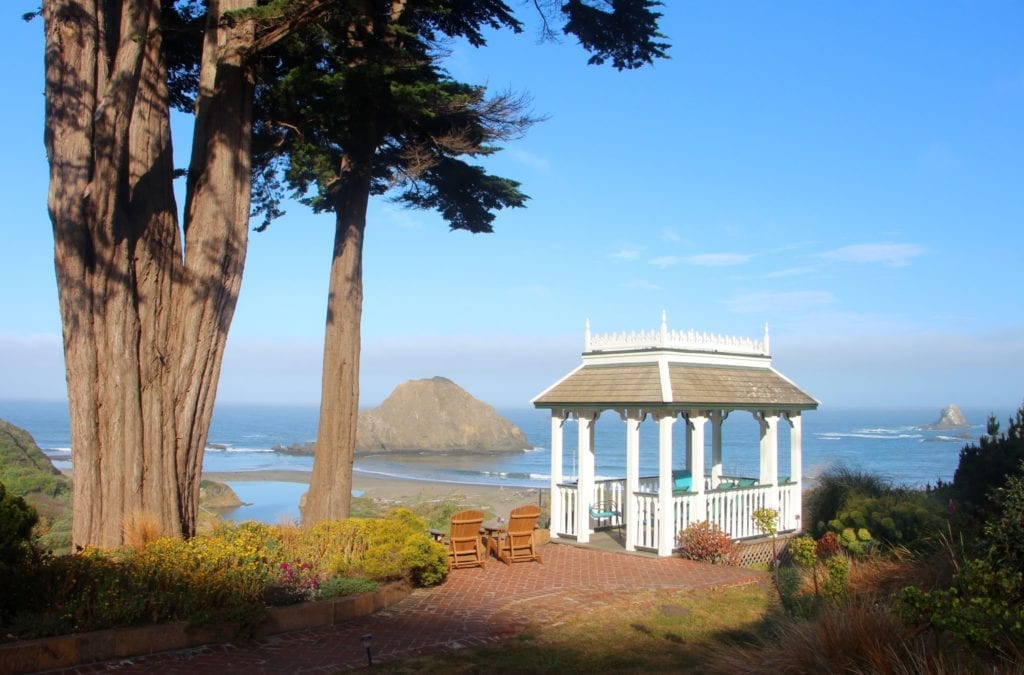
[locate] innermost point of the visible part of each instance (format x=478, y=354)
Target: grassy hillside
x=26, y=472
x=25, y=469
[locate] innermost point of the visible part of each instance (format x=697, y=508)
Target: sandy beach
x=492, y=499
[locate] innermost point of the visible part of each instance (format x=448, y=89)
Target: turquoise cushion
x=682, y=481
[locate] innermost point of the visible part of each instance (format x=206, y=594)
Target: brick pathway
x=473, y=607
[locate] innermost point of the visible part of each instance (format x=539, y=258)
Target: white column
x=717, y=417
x=633, y=419
x=666, y=514
x=796, y=441
x=557, y=427
x=585, y=485
x=769, y=474
x=688, y=461
x=696, y=420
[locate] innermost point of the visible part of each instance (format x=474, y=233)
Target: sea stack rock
x=951, y=417
x=436, y=415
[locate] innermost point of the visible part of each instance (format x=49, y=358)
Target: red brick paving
x=473, y=607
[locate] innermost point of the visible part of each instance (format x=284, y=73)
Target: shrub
x=983, y=608
x=896, y=518
x=832, y=491
x=835, y=585
x=1005, y=530
x=338, y=587
x=828, y=545
x=382, y=549
x=987, y=466
x=803, y=551
x=705, y=542
x=16, y=522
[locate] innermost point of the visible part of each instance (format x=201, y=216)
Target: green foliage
x=16, y=522
x=1005, y=531
x=767, y=521
x=835, y=585
x=984, y=607
x=25, y=469
x=831, y=492
x=864, y=512
x=895, y=518
x=987, y=466
x=803, y=551
x=706, y=542
x=338, y=587
x=628, y=35
x=795, y=602
x=382, y=549
x=226, y=577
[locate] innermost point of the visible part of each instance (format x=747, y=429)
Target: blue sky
x=849, y=173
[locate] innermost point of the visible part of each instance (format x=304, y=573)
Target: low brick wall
x=68, y=651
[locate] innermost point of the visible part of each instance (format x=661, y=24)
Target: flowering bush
x=297, y=582
x=705, y=542
x=228, y=576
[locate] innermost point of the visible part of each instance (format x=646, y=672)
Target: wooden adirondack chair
x=465, y=547
x=516, y=543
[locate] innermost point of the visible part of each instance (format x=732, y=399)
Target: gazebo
x=673, y=376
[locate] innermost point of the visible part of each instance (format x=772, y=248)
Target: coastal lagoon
x=894, y=443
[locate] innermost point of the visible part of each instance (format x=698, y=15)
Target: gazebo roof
x=675, y=369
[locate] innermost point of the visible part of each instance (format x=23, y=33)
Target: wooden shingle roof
x=612, y=385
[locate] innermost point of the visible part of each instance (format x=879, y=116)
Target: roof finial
x=767, y=350
x=664, y=328
x=586, y=337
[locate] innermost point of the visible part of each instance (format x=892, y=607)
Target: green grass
x=644, y=632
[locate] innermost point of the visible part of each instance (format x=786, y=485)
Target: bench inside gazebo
x=671, y=377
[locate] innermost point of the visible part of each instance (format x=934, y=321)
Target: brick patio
x=473, y=607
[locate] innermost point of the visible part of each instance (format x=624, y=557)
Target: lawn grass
x=642, y=632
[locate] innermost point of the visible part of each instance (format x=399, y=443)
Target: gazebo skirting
x=730, y=505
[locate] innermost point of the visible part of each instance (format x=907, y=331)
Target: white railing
x=675, y=339
x=731, y=509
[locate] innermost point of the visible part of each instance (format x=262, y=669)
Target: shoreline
x=495, y=500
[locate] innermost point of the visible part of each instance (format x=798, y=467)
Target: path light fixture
x=367, y=640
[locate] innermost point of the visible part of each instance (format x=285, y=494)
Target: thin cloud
x=661, y=262
x=670, y=234
x=789, y=272
x=718, y=259
x=529, y=159
x=891, y=255
x=625, y=254
x=702, y=260
x=794, y=301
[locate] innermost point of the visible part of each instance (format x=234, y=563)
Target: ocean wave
x=886, y=436
x=224, y=447
x=57, y=452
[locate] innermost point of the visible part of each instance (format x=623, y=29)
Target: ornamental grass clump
x=706, y=542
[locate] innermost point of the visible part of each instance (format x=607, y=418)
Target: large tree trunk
x=144, y=327
x=330, y=490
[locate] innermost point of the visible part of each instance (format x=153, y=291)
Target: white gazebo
x=673, y=376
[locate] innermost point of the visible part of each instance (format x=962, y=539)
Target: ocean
x=893, y=443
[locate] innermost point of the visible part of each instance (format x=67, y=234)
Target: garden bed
x=68, y=651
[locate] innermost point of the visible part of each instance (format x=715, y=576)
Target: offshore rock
x=436, y=415
x=951, y=417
